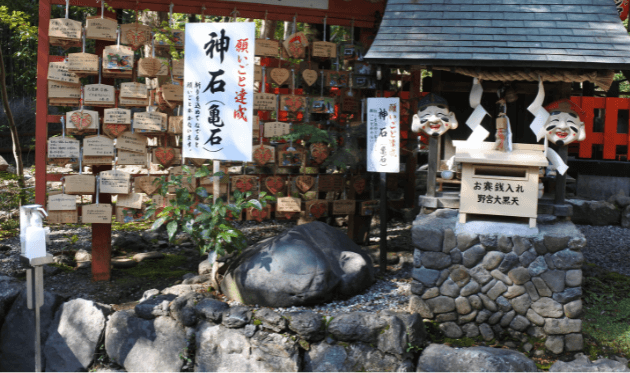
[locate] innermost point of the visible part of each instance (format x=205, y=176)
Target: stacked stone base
x=490, y=285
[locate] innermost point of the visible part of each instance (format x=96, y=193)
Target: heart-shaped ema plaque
x=262, y=155
x=293, y=103
x=165, y=155
x=136, y=37
x=244, y=185
x=304, y=183
x=146, y=184
x=115, y=130
x=81, y=120
x=274, y=184
x=319, y=152
x=309, y=76
x=259, y=215
x=318, y=209
x=359, y=185
x=279, y=75
x=197, y=161
x=149, y=66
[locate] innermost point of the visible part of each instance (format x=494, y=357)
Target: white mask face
x=563, y=128
x=434, y=120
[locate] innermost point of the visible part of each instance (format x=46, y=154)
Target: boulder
x=183, y=309
x=17, y=344
x=141, y=345
x=441, y=358
x=212, y=309
x=271, y=320
x=305, y=265
x=356, y=357
x=584, y=364
x=130, y=242
x=74, y=335
x=154, y=306
x=594, y=212
x=404, y=331
x=307, y=324
x=220, y=349
x=9, y=290
x=236, y=317
x=357, y=326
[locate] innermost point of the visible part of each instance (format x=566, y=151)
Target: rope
x=603, y=78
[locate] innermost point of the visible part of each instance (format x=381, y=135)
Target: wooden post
x=433, y=165
x=561, y=180
x=383, y=213
x=41, y=122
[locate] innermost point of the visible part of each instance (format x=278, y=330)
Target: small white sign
x=383, y=135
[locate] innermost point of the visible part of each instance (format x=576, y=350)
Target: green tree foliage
x=20, y=50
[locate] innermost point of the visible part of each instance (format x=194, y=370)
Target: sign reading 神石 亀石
x=383, y=134
x=219, y=91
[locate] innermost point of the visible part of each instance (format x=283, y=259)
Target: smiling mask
x=565, y=123
x=433, y=118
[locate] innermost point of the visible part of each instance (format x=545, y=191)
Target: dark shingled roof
x=509, y=33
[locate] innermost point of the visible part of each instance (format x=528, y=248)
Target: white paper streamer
x=474, y=121
x=509, y=134
x=556, y=161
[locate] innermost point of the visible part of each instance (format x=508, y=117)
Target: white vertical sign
x=383, y=134
x=219, y=91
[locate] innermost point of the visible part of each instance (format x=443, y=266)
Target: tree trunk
x=17, y=150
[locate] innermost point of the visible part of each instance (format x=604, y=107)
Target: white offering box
x=499, y=183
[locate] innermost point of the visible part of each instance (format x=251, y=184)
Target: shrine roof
x=509, y=33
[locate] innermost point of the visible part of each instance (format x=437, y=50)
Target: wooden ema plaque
x=245, y=183
x=274, y=184
x=82, y=120
x=101, y=28
x=173, y=93
x=275, y=129
x=223, y=189
x=344, y=207
x=175, y=125
x=64, y=91
x=101, y=146
x=117, y=57
x=317, y=208
x=264, y=154
x=266, y=48
x=178, y=69
x=133, y=102
x=178, y=171
x=150, y=122
x=129, y=215
x=116, y=116
x=323, y=105
x=289, y=158
x=62, y=217
x=132, y=142
x=64, y=30
x=324, y=49
x=253, y=213
x=257, y=73
x=133, y=90
x=264, y=101
x=83, y=63
x=62, y=202
x=296, y=44
x=135, y=34
x=80, y=184
x=289, y=204
x=91, y=160
x=177, y=38
x=146, y=184
x=279, y=75
x=370, y=207
x=99, y=94
x=115, y=182
x=131, y=158
x=63, y=147
x=336, y=78
x=133, y=200
x=96, y=213
x=292, y=103
x=58, y=71
x=330, y=183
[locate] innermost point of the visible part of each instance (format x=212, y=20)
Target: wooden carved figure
x=433, y=118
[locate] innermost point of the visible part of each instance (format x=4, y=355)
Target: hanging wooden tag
x=164, y=155
x=131, y=158
x=296, y=44
x=274, y=184
x=100, y=213
x=115, y=130
x=292, y=103
x=267, y=48
x=330, y=183
x=349, y=104
x=173, y=93
x=58, y=71
x=133, y=102
x=337, y=79
x=132, y=142
x=245, y=183
x=323, y=105
x=64, y=32
x=264, y=101
x=289, y=204
x=150, y=122
x=289, y=158
x=350, y=51
x=179, y=171
x=279, y=75
x=358, y=183
x=149, y=67
x=62, y=202
x=178, y=69
x=304, y=183
x=317, y=208
x=253, y=213
x=275, y=129
x=101, y=28
x=133, y=200
x=344, y=207
x=98, y=146
x=91, y=160
x=264, y=154
x=319, y=152
x=63, y=147
x=82, y=120
x=197, y=161
x=257, y=73
x=146, y=184
x=80, y=184
x=309, y=76
x=62, y=217
x=127, y=215
x=133, y=90
x=324, y=49
x=117, y=57
x=99, y=94
x=83, y=63
x=369, y=207
x=117, y=116
x=175, y=125
x=256, y=128
x=164, y=68
x=135, y=34
x=115, y=182
x=64, y=91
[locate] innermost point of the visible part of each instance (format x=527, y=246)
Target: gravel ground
x=608, y=247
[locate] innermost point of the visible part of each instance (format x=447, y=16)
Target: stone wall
x=490, y=284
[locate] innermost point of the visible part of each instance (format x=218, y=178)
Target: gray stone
x=495, y=318
x=556, y=243
x=271, y=320
x=154, y=306
x=473, y=255
x=563, y=326
x=547, y=307
x=489, y=285
x=471, y=330
x=521, y=304
x=465, y=240
x=450, y=241
x=488, y=241
x=498, y=289
x=205, y=267
x=179, y=290
x=198, y=279
x=428, y=277
x=508, y=262
x=538, y=266
x=483, y=316
x=220, y=349
x=463, y=319
x=326, y=357
x=507, y=318
x=183, y=308
x=451, y=330
x=303, y=265
x=549, y=261
x=568, y=295
x=519, y=323
x=539, y=246
x=541, y=286
x=462, y=305
x=74, y=335
x=492, y=260
x=141, y=345
x=403, y=330
x=471, y=288
x=503, y=304
x=148, y=255
x=573, y=342
x=460, y=275
x=441, y=304
x=417, y=305
x=519, y=275
x=443, y=276
x=456, y=256
x=535, y=318
x=519, y=336
x=441, y=358
x=521, y=245
x=486, y=332
x=573, y=310
x=625, y=217
x=416, y=287
x=555, y=343
x=501, y=277
x=427, y=232
x=17, y=343
x=433, y=260
x=82, y=256
x=308, y=325
x=568, y=259
x=594, y=212
x=475, y=302
x=514, y=291
x=577, y=243
x=443, y=317
x=9, y=290
x=498, y=330
x=417, y=258
x=236, y=317
x=431, y=293
x=573, y=277
x=480, y=274
x=554, y=280
x=123, y=263
x=488, y=303
x=504, y=243
x=449, y=288
x=536, y=332
x=249, y=330
x=527, y=257
x=583, y=364
x=357, y=326
x=531, y=291
x=211, y=309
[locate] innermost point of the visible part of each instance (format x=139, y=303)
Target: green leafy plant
x=206, y=221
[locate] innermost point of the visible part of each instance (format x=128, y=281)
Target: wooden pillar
x=41, y=121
